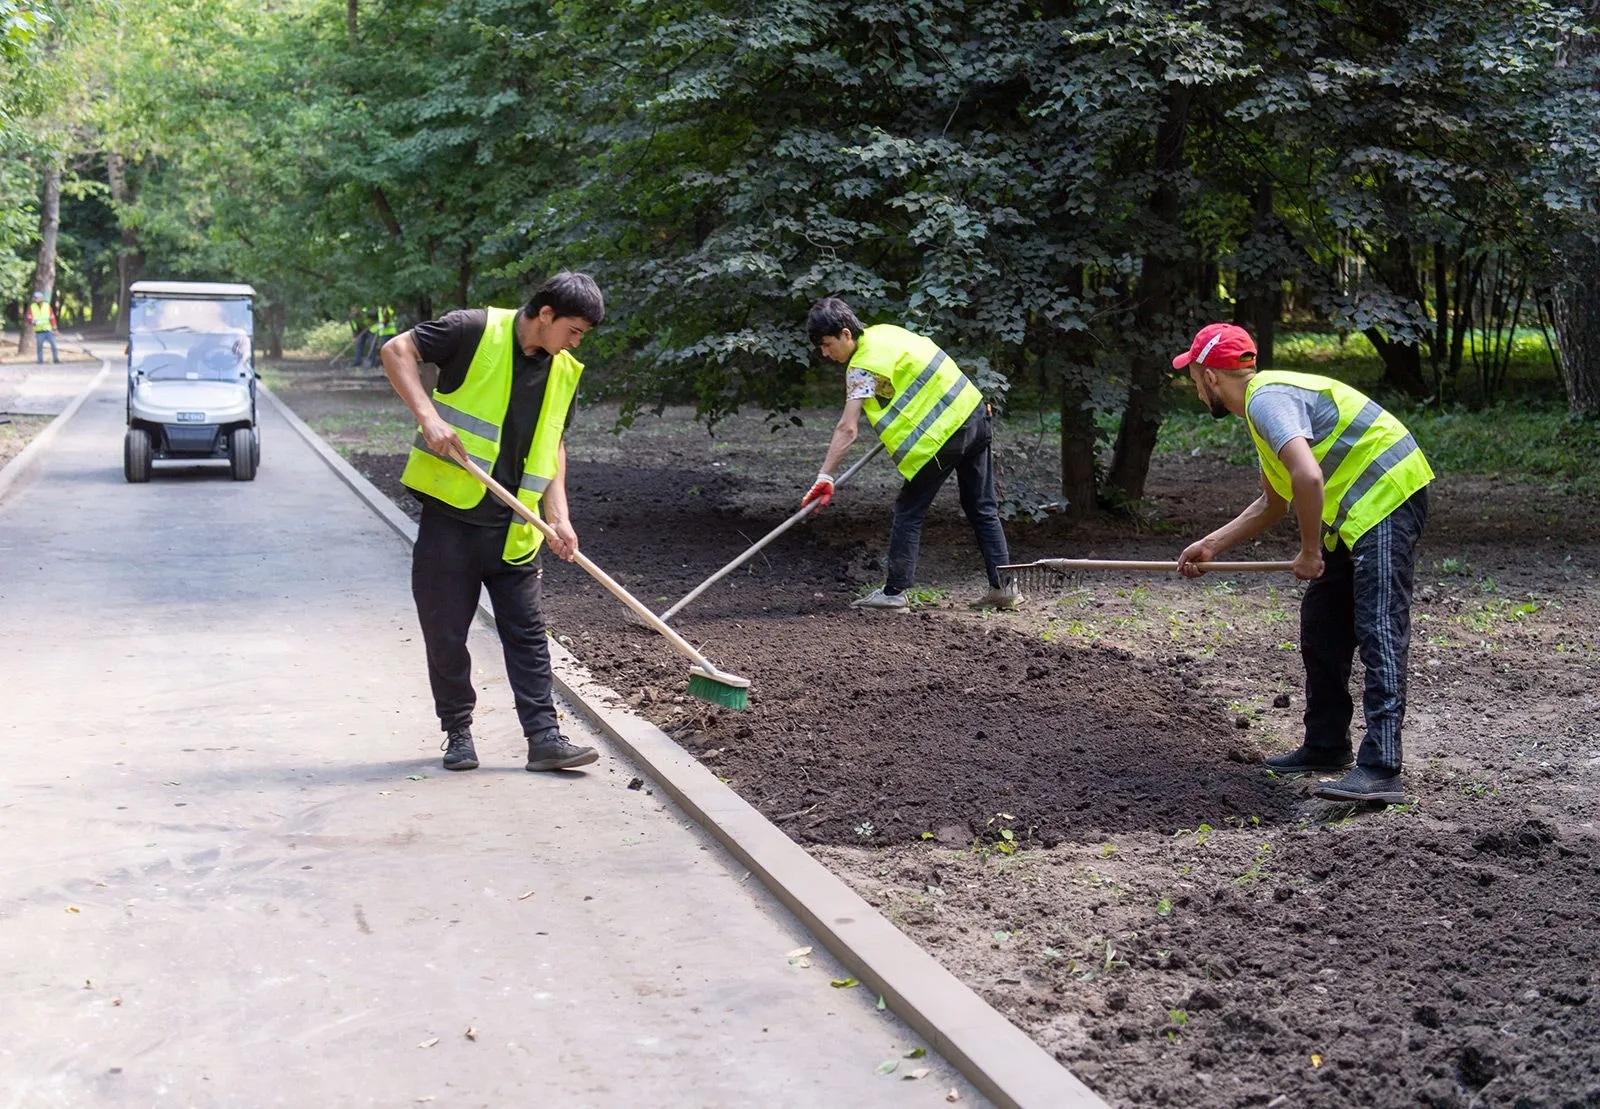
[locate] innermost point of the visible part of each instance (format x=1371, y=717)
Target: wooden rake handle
x=1169, y=567
x=680, y=644
x=751, y=551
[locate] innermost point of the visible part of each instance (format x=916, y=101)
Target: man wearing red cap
x=1358, y=484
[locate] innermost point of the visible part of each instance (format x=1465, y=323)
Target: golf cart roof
x=203, y=290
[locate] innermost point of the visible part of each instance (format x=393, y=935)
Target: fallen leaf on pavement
x=888, y=1066
x=916, y=1053
x=525, y=896
x=798, y=952
x=913, y=1075
x=472, y=1034
x=72, y=909
x=953, y=1095
x=429, y=1043
x=844, y=983
x=415, y=777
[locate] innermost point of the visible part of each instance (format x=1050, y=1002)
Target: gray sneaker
x=459, y=753
x=880, y=601
x=1005, y=597
x=550, y=751
x=1364, y=784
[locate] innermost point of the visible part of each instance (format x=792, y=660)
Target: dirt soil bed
x=1066, y=806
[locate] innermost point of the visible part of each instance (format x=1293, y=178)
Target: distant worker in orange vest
x=43, y=319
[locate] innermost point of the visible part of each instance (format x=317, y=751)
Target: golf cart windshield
x=179, y=339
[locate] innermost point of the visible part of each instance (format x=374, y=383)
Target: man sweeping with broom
x=1358, y=484
x=933, y=421
x=504, y=399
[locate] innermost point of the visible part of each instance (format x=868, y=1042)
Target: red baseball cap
x=1220, y=346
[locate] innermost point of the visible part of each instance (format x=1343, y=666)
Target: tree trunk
x=1576, y=299
x=275, y=316
x=1402, y=364
x=1160, y=278
x=44, y=276
x=130, y=259
x=1260, y=300
x=101, y=298
x=351, y=22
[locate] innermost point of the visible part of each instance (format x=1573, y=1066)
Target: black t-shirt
x=449, y=342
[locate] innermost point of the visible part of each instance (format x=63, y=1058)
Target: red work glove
x=820, y=493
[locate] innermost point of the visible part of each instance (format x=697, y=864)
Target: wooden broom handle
x=681, y=644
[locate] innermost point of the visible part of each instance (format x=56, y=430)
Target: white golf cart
x=191, y=377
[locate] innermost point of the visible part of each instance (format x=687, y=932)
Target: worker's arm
x=554, y=506
x=1305, y=478
x=844, y=434
x=402, y=365
x=1263, y=512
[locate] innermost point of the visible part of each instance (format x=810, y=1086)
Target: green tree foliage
x=1060, y=191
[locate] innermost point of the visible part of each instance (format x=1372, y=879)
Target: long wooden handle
x=751, y=551
x=1172, y=567
x=679, y=643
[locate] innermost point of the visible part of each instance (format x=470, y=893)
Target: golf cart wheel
x=255, y=447
x=242, y=450
x=136, y=455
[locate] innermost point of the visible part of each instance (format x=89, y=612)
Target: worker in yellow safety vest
x=42, y=318
x=1357, y=482
x=505, y=393
x=933, y=421
x=383, y=329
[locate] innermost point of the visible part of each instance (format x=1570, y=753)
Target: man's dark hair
x=569, y=294
x=829, y=316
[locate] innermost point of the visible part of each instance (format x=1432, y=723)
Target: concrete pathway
x=233, y=874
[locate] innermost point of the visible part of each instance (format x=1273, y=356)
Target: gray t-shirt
x=1282, y=412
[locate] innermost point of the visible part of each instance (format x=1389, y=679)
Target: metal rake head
x=1041, y=577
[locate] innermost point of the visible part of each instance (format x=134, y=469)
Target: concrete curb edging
x=13, y=470
x=993, y=1054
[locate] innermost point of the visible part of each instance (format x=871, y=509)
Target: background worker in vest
x=1358, y=483
x=361, y=334
x=933, y=421
x=505, y=394
x=42, y=318
x=383, y=329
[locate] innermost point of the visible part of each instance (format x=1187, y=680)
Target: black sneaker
x=1309, y=760
x=1364, y=784
x=458, y=751
x=549, y=750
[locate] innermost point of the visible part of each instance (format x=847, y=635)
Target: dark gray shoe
x=549, y=750
x=1364, y=784
x=1309, y=760
x=458, y=750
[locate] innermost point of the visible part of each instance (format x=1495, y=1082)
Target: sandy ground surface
x=1066, y=804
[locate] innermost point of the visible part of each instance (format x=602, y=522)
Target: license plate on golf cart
x=191, y=417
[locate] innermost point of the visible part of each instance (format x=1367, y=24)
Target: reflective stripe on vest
x=932, y=397
x=476, y=410
x=1370, y=463
x=39, y=316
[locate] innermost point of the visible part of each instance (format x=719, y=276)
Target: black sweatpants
x=1362, y=601
x=452, y=559
x=968, y=454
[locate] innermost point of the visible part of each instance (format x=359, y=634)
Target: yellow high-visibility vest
x=1370, y=463
x=477, y=411
x=39, y=316
x=932, y=398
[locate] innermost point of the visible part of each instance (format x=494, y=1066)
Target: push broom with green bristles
x=706, y=682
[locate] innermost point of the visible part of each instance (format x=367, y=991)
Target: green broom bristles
x=704, y=687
